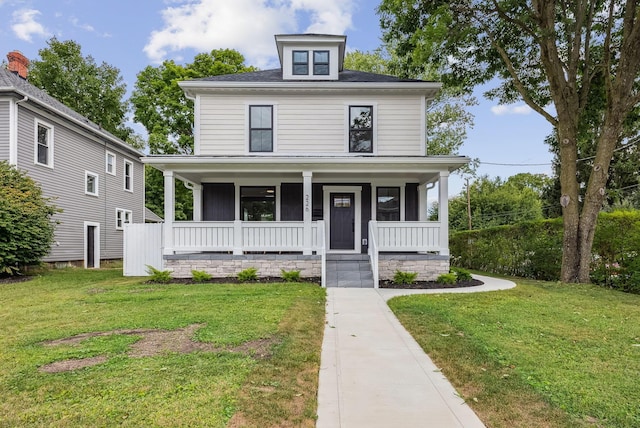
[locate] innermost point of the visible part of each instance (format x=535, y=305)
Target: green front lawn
x=260, y=367
x=540, y=355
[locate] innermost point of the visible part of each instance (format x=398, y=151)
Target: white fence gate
x=142, y=246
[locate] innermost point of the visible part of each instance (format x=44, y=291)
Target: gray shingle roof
x=10, y=82
x=275, y=75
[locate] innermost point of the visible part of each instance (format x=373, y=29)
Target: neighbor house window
x=44, y=144
x=361, y=129
x=122, y=217
x=128, y=176
x=258, y=203
x=91, y=183
x=300, y=63
x=321, y=62
x=388, y=204
x=260, y=128
x=110, y=162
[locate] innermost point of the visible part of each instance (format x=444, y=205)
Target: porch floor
x=349, y=271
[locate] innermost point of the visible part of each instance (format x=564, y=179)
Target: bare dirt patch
x=156, y=342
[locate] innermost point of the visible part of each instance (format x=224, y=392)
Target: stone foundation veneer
x=427, y=266
x=229, y=265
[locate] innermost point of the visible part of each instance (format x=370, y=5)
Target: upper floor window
x=321, y=62
x=91, y=183
x=260, y=128
x=300, y=62
x=361, y=129
x=110, y=162
x=388, y=204
x=122, y=217
x=44, y=144
x=128, y=175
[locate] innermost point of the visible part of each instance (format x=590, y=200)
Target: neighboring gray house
x=308, y=162
x=94, y=177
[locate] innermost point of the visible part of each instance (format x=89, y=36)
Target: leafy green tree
x=95, y=91
x=26, y=228
x=546, y=53
x=494, y=202
x=161, y=106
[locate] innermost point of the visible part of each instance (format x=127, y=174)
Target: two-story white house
x=309, y=160
x=93, y=177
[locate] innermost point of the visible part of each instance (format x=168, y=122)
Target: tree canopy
x=565, y=55
x=95, y=91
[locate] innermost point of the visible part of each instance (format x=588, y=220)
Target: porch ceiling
x=197, y=169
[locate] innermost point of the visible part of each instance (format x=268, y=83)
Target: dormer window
x=321, y=63
x=300, y=63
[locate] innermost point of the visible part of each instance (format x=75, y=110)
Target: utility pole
x=468, y=203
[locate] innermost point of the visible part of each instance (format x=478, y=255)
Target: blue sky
x=133, y=34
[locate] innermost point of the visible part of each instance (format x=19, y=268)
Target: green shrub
x=200, y=276
x=404, y=277
x=461, y=274
x=447, y=278
x=26, y=227
x=249, y=274
x=290, y=275
x=158, y=276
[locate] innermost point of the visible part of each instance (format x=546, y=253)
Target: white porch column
x=307, y=248
x=169, y=210
x=197, y=202
x=422, y=202
x=443, y=212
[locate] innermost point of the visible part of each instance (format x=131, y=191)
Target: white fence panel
x=142, y=246
x=272, y=236
x=203, y=236
x=408, y=236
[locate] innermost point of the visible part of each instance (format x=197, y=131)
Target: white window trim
x=247, y=127
x=123, y=217
x=106, y=163
x=375, y=141
x=50, y=139
x=124, y=175
x=97, y=183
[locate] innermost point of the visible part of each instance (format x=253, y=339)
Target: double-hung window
x=300, y=63
x=110, y=162
x=128, y=176
x=44, y=144
x=388, y=204
x=361, y=129
x=321, y=62
x=261, y=128
x=122, y=217
x=90, y=183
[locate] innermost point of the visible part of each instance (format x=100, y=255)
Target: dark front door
x=342, y=213
x=91, y=255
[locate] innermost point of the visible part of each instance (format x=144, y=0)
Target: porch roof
x=423, y=169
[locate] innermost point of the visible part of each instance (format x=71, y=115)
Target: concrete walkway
x=374, y=374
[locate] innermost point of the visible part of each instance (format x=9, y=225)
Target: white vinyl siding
x=312, y=124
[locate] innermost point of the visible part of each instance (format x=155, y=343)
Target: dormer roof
x=311, y=39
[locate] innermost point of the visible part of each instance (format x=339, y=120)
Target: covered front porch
x=297, y=210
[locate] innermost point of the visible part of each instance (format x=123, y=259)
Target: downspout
x=13, y=133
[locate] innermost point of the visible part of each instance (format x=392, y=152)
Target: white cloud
x=25, y=25
x=502, y=109
x=245, y=25
x=76, y=23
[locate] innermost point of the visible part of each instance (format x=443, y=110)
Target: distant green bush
x=404, y=277
x=447, y=278
x=249, y=274
x=290, y=275
x=461, y=274
x=534, y=250
x=159, y=276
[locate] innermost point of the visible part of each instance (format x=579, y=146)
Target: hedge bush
x=26, y=227
x=534, y=250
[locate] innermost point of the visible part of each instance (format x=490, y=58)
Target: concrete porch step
x=345, y=257
x=349, y=271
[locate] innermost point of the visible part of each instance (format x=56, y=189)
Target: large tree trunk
x=570, y=205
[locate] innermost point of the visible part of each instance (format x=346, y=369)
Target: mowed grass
x=540, y=355
x=204, y=389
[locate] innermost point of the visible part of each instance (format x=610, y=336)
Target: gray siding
x=4, y=129
x=75, y=152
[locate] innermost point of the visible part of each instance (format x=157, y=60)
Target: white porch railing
x=401, y=236
x=241, y=236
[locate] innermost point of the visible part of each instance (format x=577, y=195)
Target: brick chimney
x=18, y=64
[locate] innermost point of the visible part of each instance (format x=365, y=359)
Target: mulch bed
x=12, y=279
x=430, y=285
x=234, y=280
